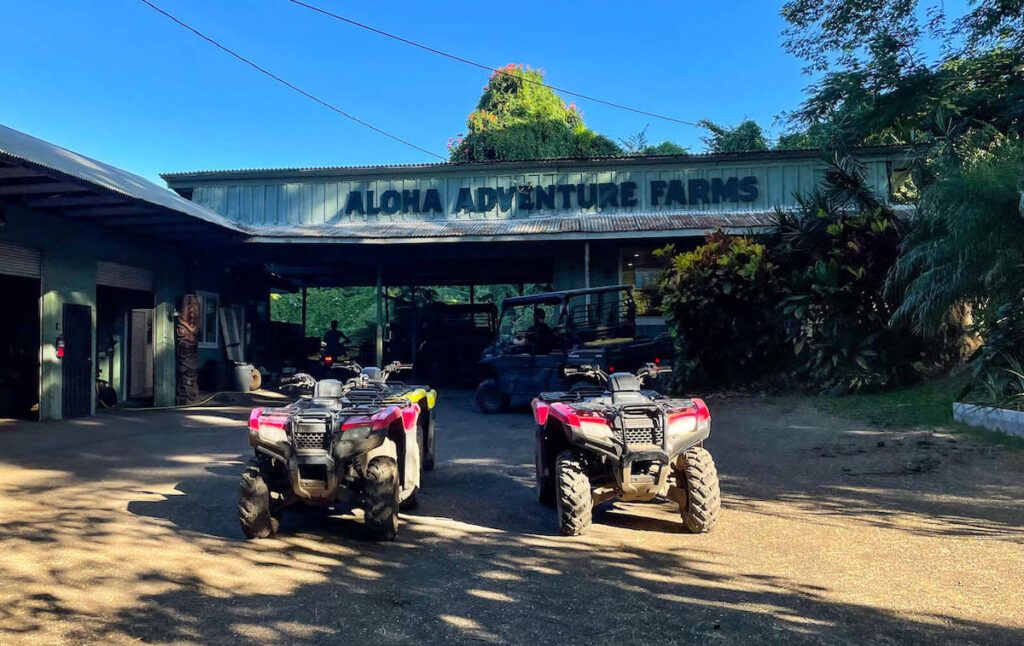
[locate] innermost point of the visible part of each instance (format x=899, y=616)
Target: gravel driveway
x=122, y=528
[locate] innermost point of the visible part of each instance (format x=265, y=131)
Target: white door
x=140, y=354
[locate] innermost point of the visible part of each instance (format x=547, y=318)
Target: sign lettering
x=674, y=193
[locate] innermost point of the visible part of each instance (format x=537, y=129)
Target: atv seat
x=625, y=389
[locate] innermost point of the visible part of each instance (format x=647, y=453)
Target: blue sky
x=116, y=81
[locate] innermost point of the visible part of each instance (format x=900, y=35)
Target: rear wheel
x=489, y=398
x=427, y=440
x=574, y=500
x=380, y=503
x=703, y=497
x=254, y=513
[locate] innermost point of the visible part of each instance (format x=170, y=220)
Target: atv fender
x=408, y=464
x=387, y=449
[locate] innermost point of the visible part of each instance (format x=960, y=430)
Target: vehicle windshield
x=518, y=319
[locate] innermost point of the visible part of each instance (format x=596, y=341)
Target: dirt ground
x=122, y=528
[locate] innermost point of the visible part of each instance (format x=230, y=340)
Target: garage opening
x=19, y=347
x=124, y=334
x=20, y=270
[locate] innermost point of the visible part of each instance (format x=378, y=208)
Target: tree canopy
x=518, y=117
x=880, y=89
x=747, y=135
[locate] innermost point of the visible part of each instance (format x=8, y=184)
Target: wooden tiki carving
x=186, y=333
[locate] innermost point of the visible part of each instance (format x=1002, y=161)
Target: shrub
x=837, y=250
x=719, y=304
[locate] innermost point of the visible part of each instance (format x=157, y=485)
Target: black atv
x=348, y=443
x=620, y=442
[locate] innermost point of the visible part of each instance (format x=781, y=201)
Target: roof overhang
x=559, y=228
x=183, y=181
x=42, y=176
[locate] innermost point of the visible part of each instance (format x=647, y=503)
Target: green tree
x=880, y=89
x=747, y=135
x=518, y=117
x=639, y=145
x=967, y=243
x=886, y=35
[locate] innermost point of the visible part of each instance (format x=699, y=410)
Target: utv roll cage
x=584, y=314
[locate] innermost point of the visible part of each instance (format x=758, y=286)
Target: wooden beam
x=61, y=202
x=39, y=189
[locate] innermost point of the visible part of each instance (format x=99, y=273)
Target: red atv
x=352, y=443
x=616, y=441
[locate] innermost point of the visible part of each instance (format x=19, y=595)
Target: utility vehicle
x=595, y=327
x=354, y=443
x=452, y=338
x=621, y=442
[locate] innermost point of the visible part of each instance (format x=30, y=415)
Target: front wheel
x=574, y=500
x=254, y=503
x=489, y=398
x=381, y=498
x=703, y=497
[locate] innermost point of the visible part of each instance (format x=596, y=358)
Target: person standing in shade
x=333, y=340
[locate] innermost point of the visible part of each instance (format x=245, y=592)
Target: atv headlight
x=273, y=434
x=595, y=432
x=356, y=432
x=680, y=426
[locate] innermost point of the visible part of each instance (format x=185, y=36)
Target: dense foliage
x=518, y=117
x=961, y=261
x=808, y=301
x=718, y=303
x=747, y=135
x=639, y=145
x=836, y=251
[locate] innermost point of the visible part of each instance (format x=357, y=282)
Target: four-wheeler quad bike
x=354, y=443
x=593, y=327
x=424, y=396
x=620, y=442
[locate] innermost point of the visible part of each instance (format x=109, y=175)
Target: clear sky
x=114, y=80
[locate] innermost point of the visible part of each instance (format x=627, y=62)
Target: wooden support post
x=586, y=267
x=379, y=348
x=304, y=304
x=415, y=326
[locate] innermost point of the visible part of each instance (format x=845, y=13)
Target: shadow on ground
x=477, y=560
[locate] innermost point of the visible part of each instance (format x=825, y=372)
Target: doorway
x=76, y=365
x=140, y=355
x=125, y=352
x=19, y=347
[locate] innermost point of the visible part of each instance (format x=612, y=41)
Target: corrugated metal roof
x=180, y=176
x=523, y=227
x=20, y=146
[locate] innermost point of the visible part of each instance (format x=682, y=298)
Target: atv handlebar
x=300, y=380
x=595, y=372
x=651, y=370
